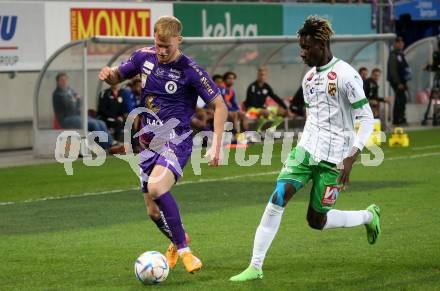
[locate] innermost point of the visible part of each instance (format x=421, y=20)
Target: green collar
x=330, y=64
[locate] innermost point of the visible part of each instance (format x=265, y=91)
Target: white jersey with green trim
x=334, y=98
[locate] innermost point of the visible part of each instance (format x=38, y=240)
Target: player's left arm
x=211, y=94
x=353, y=89
x=220, y=116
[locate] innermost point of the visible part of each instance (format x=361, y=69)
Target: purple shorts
x=173, y=157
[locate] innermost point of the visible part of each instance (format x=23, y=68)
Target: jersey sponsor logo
x=149, y=103
x=174, y=76
x=310, y=77
x=331, y=193
x=319, y=81
x=331, y=89
x=332, y=75
x=206, y=85
x=171, y=87
x=160, y=72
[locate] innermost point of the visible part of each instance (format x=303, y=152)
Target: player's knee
x=316, y=224
x=315, y=220
x=155, y=190
x=282, y=193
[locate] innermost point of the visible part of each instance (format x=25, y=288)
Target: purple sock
x=162, y=227
x=171, y=218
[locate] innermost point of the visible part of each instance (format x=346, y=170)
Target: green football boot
x=373, y=228
x=251, y=273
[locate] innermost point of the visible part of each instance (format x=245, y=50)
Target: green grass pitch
x=91, y=242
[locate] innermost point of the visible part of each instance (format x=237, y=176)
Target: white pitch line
x=193, y=182
x=425, y=147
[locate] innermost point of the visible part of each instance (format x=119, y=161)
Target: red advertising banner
x=88, y=22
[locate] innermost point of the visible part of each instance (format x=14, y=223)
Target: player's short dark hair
x=398, y=38
x=318, y=28
x=362, y=69
x=217, y=76
x=227, y=74
x=376, y=70
x=59, y=75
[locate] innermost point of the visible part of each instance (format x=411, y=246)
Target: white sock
x=338, y=218
x=266, y=231
x=183, y=250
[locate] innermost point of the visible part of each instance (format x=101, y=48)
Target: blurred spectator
x=371, y=87
x=297, y=104
x=199, y=122
x=364, y=73
x=399, y=73
x=237, y=117
x=132, y=99
x=67, y=107
x=132, y=95
x=218, y=80
x=111, y=109
x=255, y=103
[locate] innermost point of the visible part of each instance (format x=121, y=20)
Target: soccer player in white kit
x=327, y=150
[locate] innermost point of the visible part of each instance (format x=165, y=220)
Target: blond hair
x=318, y=28
x=168, y=26
x=263, y=69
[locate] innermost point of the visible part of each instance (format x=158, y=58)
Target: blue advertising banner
x=345, y=18
x=419, y=9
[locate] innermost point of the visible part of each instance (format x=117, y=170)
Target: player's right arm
x=126, y=70
x=110, y=75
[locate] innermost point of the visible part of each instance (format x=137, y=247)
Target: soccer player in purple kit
x=171, y=83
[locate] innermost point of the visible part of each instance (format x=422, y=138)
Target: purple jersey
x=169, y=90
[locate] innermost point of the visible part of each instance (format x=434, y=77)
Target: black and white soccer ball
x=151, y=268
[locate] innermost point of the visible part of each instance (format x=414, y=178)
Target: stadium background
x=60, y=232
x=37, y=25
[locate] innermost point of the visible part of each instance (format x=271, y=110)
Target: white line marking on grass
x=193, y=182
x=425, y=147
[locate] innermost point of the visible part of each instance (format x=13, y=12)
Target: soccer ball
x=151, y=268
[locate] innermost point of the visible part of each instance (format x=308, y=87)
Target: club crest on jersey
x=330, y=195
x=149, y=103
x=310, y=77
x=331, y=89
x=331, y=75
x=171, y=87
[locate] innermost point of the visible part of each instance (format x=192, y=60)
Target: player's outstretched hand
x=105, y=73
x=214, y=155
x=344, y=174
